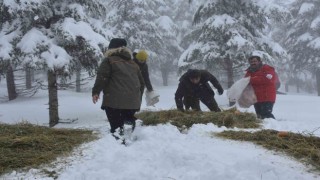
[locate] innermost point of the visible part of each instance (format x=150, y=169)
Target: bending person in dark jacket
x=193, y=87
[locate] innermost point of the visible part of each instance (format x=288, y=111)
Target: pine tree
x=54, y=35
x=278, y=29
x=302, y=40
x=140, y=23
x=228, y=33
x=168, y=32
x=127, y=22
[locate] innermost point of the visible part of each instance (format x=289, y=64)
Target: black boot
x=118, y=133
x=131, y=123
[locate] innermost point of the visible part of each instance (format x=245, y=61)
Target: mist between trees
x=55, y=45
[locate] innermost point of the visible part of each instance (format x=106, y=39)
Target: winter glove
x=220, y=91
x=269, y=76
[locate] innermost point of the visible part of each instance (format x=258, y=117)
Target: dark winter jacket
x=187, y=89
x=145, y=73
x=264, y=88
x=120, y=79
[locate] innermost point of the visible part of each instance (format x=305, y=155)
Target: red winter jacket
x=264, y=88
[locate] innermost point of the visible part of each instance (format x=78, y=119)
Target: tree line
x=64, y=41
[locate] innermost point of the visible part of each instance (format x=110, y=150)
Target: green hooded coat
x=120, y=79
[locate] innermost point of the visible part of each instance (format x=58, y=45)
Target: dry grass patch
x=228, y=118
x=28, y=146
x=305, y=148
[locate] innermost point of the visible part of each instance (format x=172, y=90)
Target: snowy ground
x=162, y=152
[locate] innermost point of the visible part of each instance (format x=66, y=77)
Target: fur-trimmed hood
x=124, y=52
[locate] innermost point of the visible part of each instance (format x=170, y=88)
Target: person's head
x=255, y=61
x=141, y=56
x=117, y=43
x=194, y=76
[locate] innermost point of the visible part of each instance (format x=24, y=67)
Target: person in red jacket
x=263, y=79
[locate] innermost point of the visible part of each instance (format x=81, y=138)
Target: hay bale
x=229, y=118
x=305, y=148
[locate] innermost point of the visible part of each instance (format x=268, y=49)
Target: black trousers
x=211, y=103
x=206, y=97
x=117, y=117
x=191, y=102
x=264, y=110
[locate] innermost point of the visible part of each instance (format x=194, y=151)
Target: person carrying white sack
x=141, y=58
x=257, y=88
x=263, y=80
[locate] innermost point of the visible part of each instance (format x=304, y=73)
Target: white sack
x=248, y=97
x=152, y=98
x=237, y=88
x=242, y=93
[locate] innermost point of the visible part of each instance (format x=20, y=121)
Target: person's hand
x=220, y=91
x=95, y=98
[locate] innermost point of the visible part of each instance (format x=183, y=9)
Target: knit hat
x=117, y=42
x=142, y=56
x=194, y=73
x=255, y=56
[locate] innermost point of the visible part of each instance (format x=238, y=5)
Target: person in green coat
x=120, y=80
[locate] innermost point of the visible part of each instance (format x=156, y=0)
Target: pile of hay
x=305, y=148
x=28, y=146
x=228, y=118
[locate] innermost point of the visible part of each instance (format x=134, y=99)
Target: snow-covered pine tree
x=172, y=24
x=168, y=32
x=143, y=24
x=48, y=34
x=278, y=29
x=303, y=39
x=229, y=32
x=183, y=17
x=8, y=60
x=134, y=21
x=179, y=15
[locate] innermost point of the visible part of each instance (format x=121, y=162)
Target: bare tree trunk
x=28, y=78
x=318, y=80
x=78, y=79
x=287, y=87
x=298, y=85
x=53, y=98
x=164, y=74
x=12, y=93
x=229, y=68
